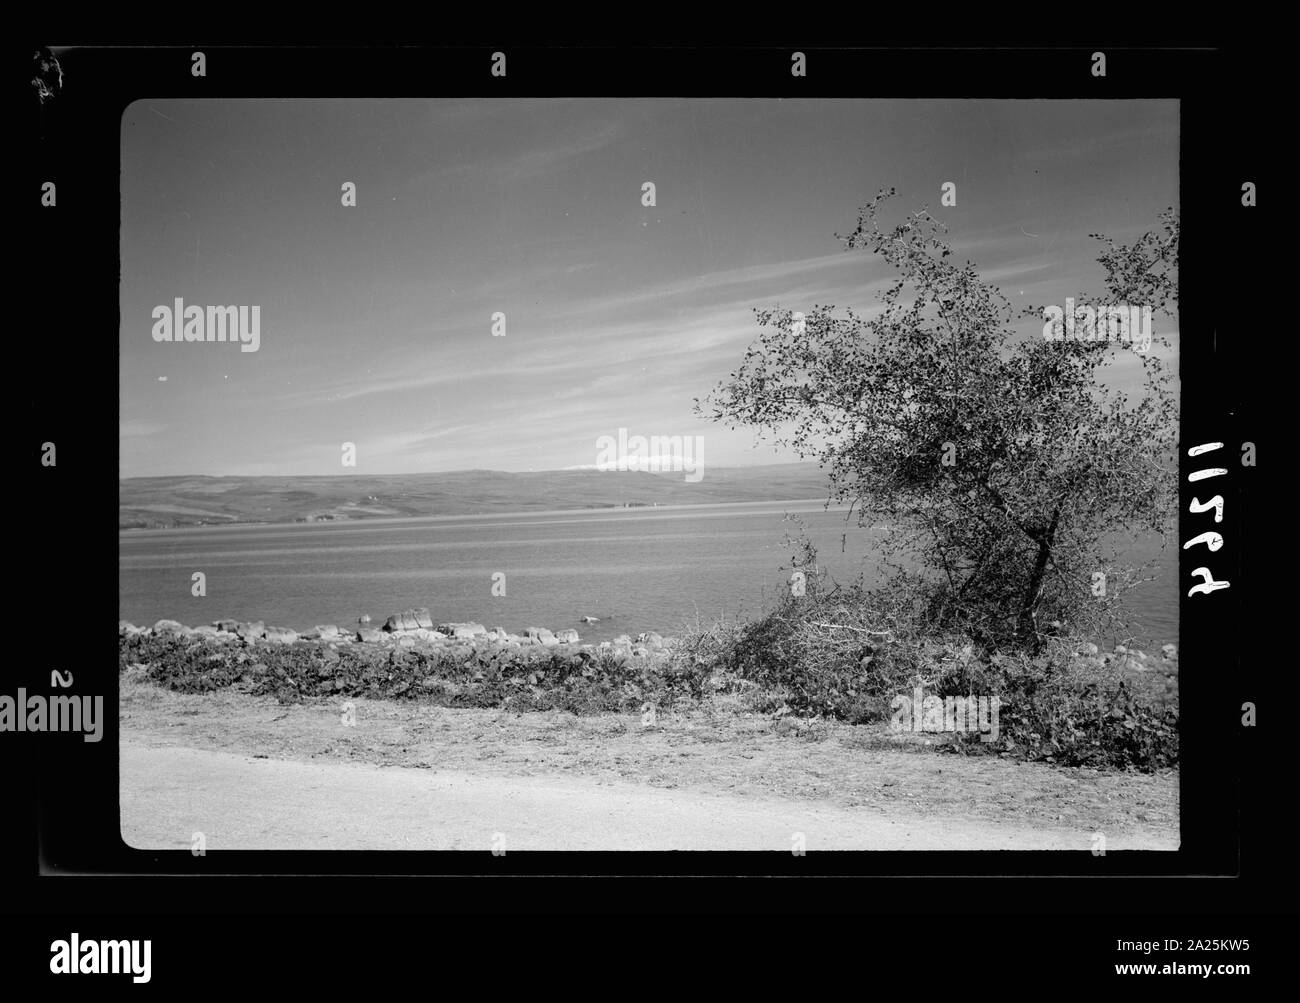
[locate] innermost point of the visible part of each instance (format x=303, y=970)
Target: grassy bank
x=806, y=661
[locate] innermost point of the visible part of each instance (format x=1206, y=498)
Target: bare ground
x=251, y=773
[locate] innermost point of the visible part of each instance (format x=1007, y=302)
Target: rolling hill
x=161, y=502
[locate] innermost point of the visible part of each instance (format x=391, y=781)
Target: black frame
x=77, y=144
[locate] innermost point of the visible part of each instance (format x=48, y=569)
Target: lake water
x=634, y=569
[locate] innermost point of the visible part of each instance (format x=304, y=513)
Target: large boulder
x=650, y=639
x=464, y=631
x=251, y=631
x=327, y=631
x=410, y=619
x=539, y=633
x=170, y=627
x=1169, y=651
x=370, y=635
x=568, y=637
x=227, y=625
x=281, y=635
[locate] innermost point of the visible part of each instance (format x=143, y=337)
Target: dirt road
x=239, y=802
x=250, y=773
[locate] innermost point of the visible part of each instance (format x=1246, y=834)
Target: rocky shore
x=1116, y=709
x=410, y=629
x=449, y=664
x=415, y=629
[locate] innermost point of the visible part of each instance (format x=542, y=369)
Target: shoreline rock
x=414, y=629
x=410, y=629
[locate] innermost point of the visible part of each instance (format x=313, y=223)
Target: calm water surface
x=636, y=569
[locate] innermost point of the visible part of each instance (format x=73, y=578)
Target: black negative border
x=78, y=144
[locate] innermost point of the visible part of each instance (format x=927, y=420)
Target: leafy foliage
x=536, y=679
x=1000, y=462
x=1071, y=712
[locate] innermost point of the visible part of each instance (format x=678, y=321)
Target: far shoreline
x=624, y=511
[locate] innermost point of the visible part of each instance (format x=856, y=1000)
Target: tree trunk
x=1027, y=627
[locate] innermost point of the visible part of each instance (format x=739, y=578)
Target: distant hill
x=160, y=502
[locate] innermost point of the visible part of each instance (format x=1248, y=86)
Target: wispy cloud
x=138, y=429
x=517, y=166
x=377, y=318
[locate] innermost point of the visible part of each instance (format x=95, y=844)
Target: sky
x=376, y=320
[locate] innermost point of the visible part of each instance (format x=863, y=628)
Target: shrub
x=1069, y=711
x=531, y=679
